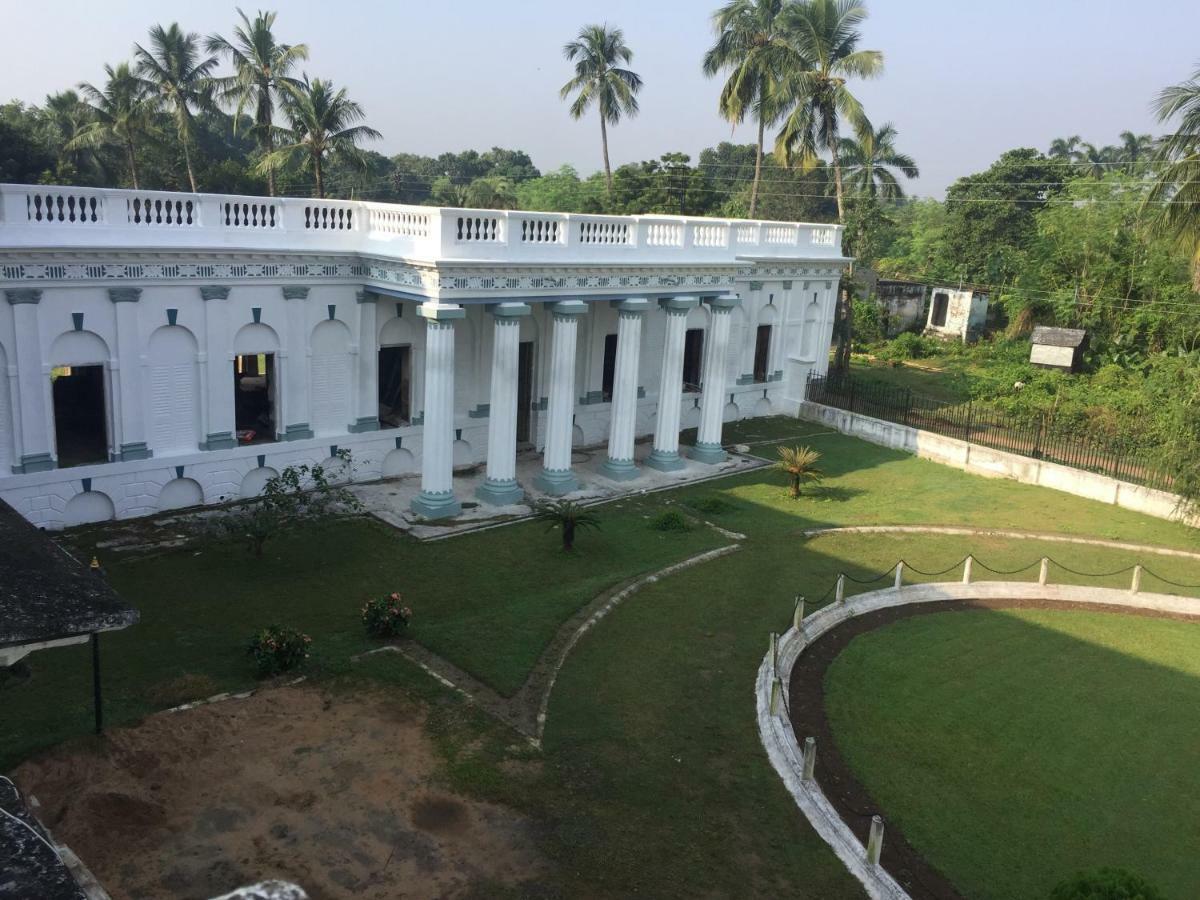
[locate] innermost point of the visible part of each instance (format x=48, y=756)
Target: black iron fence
x=976, y=423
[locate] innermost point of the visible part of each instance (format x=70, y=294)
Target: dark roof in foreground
x=1058, y=337
x=45, y=593
x=31, y=867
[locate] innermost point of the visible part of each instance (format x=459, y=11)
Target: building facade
x=167, y=350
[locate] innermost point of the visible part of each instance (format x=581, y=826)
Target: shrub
x=1106, y=884
x=800, y=465
x=713, y=505
x=386, y=616
x=904, y=346
x=567, y=515
x=277, y=649
x=670, y=520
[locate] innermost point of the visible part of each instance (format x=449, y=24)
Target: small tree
x=567, y=515
x=800, y=464
x=297, y=494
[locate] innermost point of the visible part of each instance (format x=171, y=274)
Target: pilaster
x=367, y=370
x=294, y=369
x=130, y=441
x=33, y=452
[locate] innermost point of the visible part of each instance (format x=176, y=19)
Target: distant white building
x=956, y=313
x=165, y=350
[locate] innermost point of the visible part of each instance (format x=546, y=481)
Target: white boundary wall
x=783, y=745
x=996, y=463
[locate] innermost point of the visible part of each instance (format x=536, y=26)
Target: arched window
x=80, y=390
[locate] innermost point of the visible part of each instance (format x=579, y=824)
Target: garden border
x=773, y=685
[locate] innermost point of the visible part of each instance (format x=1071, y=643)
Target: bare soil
x=337, y=793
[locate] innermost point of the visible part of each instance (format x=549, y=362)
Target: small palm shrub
x=386, y=617
x=278, y=649
x=800, y=465
x=1106, y=884
x=567, y=515
x=670, y=520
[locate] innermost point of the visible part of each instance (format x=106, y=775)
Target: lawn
x=652, y=779
x=1016, y=747
x=940, y=379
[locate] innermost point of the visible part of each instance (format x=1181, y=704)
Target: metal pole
x=96, y=698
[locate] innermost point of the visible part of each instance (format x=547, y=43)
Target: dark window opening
x=395, y=386
x=254, y=398
x=80, y=415
x=610, y=367
x=941, y=305
x=693, y=359
x=525, y=391
x=762, y=353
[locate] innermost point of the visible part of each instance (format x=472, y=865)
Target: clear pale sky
x=964, y=80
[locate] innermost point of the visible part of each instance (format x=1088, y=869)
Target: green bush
x=277, y=649
x=905, y=346
x=670, y=520
x=1106, y=884
x=386, y=616
x=713, y=505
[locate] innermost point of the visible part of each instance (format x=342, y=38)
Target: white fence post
x=810, y=758
x=776, y=697
x=899, y=574
x=875, y=841
x=773, y=649
x=798, y=614
x=1137, y=580
x=840, y=594
x=1044, y=572
x=967, y=564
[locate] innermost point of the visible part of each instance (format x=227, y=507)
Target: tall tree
x=260, y=72
x=598, y=53
x=1174, y=198
x=1135, y=149
x=1096, y=161
x=67, y=116
x=180, y=76
x=121, y=113
x=1065, y=149
x=322, y=127
x=825, y=34
x=751, y=48
x=867, y=160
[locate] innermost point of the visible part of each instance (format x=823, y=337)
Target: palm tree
x=751, y=47
x=322, y=127
x=567, y=515
x=1065, y=149
x=825, y=34
x=1174, y=198
x=1135, y=149
x=868, y=159
x=1096, y=161
x=598, y=53
x=121, y=113
x=175, y=71
x=800, y=465
x=68, y=116
x=260, y=72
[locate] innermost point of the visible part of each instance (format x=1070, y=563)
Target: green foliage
x=712, y=505
x=386, y=617
x=1106, y=884
x=868, y=322
x=800, y=465
x=277, y=649
x=905, y=346
x=670, y=520
x=566, y=515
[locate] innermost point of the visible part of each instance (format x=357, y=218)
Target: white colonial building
x=166, y=350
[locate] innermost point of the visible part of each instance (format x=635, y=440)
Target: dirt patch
x=337, y=793
x=852, y=801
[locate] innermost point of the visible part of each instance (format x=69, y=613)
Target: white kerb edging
x=784, y=749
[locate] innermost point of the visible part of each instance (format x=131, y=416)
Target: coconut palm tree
x=260, y=72
x=825, y=34
x=751, y=48
x=67, y=116
x=180, y=76
x=1094, y=161
x=598, y=53
x=1135, y=149
x=566, y=515
x=1173, y=201
x=800, y=465
x=867, y=160
x=1065, y=149
x=121, y=113
x=322, y=127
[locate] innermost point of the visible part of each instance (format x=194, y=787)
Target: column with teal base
x=501, y=487
x=712, y=405
x=665, y=454
x=556, y=477
x=436, y=500
x=623, y=423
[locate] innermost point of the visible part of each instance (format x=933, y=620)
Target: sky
x=963, y=82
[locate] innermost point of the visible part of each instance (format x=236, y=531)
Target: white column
x=712, y=404
x=501, y=487
x=293, y=369
x=30, y=408
x=556, y=477
x=622, y=426
x=216, y=368
x=436, y=500
x=131, y=424
x=665, y=455
x=824, y=337
x=367, y=394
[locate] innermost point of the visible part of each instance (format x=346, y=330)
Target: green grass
x=940, y=379
x=653, y=780
x=1017, y=747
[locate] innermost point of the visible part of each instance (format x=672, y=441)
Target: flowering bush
x=386, y=616
x=276, y=649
